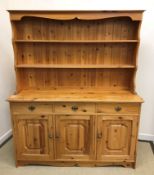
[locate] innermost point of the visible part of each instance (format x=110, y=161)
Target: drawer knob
x=118, y=108
x=74, y=108
x=31, y=108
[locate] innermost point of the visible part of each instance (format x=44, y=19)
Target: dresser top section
x=56, y=51
x=135, y=15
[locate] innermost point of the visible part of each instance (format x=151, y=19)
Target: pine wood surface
x=82, y=95
x=135, y=15
x=75, y=102
x=74, y=41
x=72, y=66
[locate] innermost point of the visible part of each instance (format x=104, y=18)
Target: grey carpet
x=145, y=165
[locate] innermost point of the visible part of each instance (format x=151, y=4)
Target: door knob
x=57, y=136
x=99, y=135
x=50, y=136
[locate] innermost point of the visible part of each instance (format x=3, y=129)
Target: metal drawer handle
x=118, y=108
x=31, y=108
x=74, y=108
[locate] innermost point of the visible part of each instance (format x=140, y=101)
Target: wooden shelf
x=72, y=66
x=76, y=41
x=76, y=95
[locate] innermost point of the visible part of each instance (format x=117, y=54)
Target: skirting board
x=146, y=137
x=5, y=136
x=142, y=136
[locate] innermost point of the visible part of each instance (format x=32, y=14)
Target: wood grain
x=75, y=102
x=75, y=95
x=135, y=15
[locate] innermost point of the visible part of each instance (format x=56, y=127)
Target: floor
x=145, y=165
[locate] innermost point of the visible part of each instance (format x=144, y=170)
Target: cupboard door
x=34, y=137
x=74, y=137
x=116, y=137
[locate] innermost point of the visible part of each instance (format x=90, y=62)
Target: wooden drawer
x=115, y=108
x=31, y=108
x=74, y=108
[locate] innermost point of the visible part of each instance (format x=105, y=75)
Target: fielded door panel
x=34, y=137
x=116, y=137
x=75, y=137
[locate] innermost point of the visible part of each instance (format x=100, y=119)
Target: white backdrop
x=145, y=74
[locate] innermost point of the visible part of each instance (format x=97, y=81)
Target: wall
x=7, y=78
x=145, y=75
x=144, y=78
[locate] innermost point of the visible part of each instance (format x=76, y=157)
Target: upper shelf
x=76, y=41
x=107, y=30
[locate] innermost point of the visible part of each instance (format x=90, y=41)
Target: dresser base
x=76, y=164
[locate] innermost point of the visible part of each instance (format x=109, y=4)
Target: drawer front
x=31, y=108
x=115, y=108
x=74, y=108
